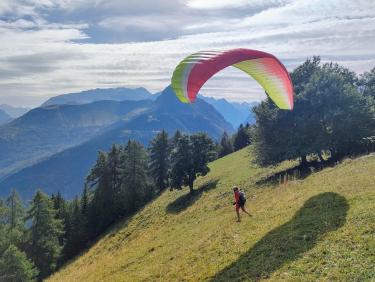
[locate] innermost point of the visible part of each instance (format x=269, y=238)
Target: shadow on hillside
x=319, y=215
x=185, y=201
x=296, y=172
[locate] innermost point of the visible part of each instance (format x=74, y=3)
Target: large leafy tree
x=160, y=160
x=330, y=114
x=190, y=158
x=367, y=83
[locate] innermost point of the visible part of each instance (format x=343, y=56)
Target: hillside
x=42, y=132
x=319, y=228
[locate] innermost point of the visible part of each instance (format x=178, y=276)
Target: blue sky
x=50, y=47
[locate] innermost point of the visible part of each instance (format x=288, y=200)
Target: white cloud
x=225, y=4
x=41, y=56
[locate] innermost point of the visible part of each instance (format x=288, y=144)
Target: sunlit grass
x=195, y=239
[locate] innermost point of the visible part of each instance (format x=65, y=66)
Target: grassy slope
x=298, y=231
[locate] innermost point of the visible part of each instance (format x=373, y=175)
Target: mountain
x=4, y=117
x=234, y=112
x=312, y=229
x=89, y=96
x=14, y=112
x=47, y=130
x=65, y=171
x=170, y=114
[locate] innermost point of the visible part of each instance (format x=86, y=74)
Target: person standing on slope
x=240, y=201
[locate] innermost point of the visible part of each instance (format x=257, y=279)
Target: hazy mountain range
x=54, y=146
x=89, y=96
x=14, y=112
x=4, y=117
x=234, y=112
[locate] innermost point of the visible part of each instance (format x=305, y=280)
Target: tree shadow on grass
x=320, y=214
x=296, y=172
x=185, y=201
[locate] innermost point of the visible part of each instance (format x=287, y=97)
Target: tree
x=120, y=183
x=177, y=135
x=59, y=206
x=160, y=160
x=101, y=210
x=43, y=242
x=134, y=181
x=329, y=115
x=16, y=211
x=241, y=138
x=15, y=267
x=190, y=158
x=3, y=213
x=84, y=207
x=74, y=241
x=225, y=146
x=367, y=83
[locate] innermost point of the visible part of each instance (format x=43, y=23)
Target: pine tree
x=84, y=207
x=177, y=135
x=75, y=241
x=160, y=160
x=15, y=267
x=225, y=146
x=3, y=213
x=59, y=205
x=241, y=138
x=85, y=201
x=135, y=188
x=16, y=210
x=102, y=206
x=43, y=242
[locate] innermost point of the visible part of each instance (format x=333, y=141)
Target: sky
x=51, y=47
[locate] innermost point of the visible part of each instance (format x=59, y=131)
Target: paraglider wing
x=191, y=73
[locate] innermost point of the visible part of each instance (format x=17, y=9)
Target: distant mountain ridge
x=66, y=169
x=48, y=130
x=4, y=117
x=99, y=94
x=234, y=112
x=14, y=112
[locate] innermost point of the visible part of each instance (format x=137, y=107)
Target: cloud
x=225, y=4
x=51, y=47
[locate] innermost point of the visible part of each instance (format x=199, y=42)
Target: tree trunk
x=191, y=186
x=303, y=161
x=320, y=157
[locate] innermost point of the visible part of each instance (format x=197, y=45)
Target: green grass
x=321, y=228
